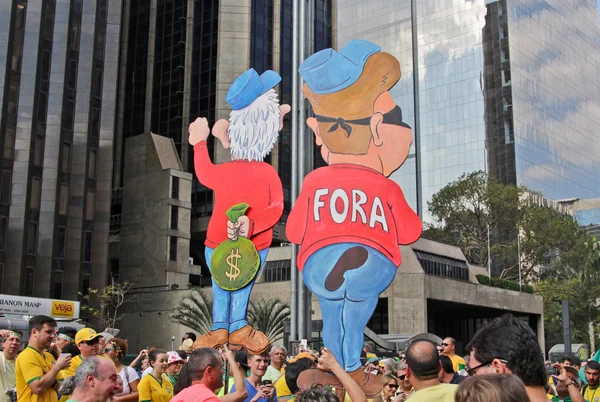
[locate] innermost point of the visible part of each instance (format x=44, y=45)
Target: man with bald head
x=422, y=368
x=449, y=349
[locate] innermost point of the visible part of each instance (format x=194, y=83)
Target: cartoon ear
x=283, y=110
x=219, y=130
x=375, y=122
x=314, y=126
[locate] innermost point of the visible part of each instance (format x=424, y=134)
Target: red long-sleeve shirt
x=254, y=183
x=347, y=203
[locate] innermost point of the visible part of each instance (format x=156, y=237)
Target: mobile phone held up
x=266, y=382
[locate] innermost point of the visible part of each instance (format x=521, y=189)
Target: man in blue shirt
x=258, y=390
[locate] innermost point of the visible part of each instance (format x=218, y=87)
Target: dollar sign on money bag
x=235, y=264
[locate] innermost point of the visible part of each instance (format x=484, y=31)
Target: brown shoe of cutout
x=213, y=339
x=308, y=378
x=255, y=342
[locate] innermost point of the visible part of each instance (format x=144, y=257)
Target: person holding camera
x=259, y=390
x=37, y=373
x=10, y=348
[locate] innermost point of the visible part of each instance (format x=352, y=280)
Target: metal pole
x=309, y=149
x=519, y=258
x=301, y=156
x=566, y=327
x=294, y=182
x=489, y=252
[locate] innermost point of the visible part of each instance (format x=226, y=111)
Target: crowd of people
x=504, y=364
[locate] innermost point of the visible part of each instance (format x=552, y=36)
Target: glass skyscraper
x=507, y=87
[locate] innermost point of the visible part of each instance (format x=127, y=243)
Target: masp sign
x=19, y=305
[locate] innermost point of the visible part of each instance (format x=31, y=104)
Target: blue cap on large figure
x=249, y=86
x=329, y=71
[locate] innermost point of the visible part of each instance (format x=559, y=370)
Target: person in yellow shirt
x=156, y=387
x=37, y=373
x=449, y=349
x=88, y=343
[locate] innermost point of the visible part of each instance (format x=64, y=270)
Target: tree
x=195, y=312
x=269, y=317
x=527, y=239
x=470, y=210
x=104, y=304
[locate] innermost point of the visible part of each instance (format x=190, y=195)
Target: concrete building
x=178, y=60
x=58, y=89
x=434, y=291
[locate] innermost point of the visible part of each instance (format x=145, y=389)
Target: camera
x=12, y=393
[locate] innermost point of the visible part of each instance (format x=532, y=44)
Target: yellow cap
x=85, y=335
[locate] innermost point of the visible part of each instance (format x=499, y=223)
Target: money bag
x=235, y=264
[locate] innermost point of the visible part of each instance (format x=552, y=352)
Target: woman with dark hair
x=156, y=387
x=241, y=360
x=115, y=350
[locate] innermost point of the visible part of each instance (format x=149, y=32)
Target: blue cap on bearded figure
x=329, y=71
x=249, y=86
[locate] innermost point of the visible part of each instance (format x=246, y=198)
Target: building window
x=38, y=150
x=63, y=199
x=90, y=205
x=58, y=285
x=3, y=232
x=32, y=232
x=379, y=320
x=445, y=267
x=172, y=248
x=175, y=187
x=174, y=216
x=278, y=271
x=61, y=241
x=87, y=246
x=36, y=193
x=6, y=184
x=65, y=165
x=92, y=164
x=85, y=284
x=29, y=279
x=505, y=77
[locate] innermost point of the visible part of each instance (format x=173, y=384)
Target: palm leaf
x=269, y=316
x=194, y=311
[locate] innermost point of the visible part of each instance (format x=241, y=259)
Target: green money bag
x=235, y=264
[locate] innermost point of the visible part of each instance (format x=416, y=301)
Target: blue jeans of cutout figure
x=230, y=307
x=347, y=310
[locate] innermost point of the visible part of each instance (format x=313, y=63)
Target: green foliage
x=195, y=312
x=583, y=307
x=467, y=209
x=269, y=317
x=103, y=304
x=504, y=284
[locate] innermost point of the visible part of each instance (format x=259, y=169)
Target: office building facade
x=58, y=82
x=492, y=85
x=178, y=60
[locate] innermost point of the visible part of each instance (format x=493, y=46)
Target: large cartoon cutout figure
x=349, y=217
x=248, y=203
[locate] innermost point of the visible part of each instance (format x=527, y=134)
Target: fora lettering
x=351, y=206
x=63, y=307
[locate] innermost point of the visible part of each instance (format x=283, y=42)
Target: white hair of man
x=279, y=347
x=253, y=130
x=89, y=366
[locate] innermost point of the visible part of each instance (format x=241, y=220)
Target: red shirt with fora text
x=346, y=203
